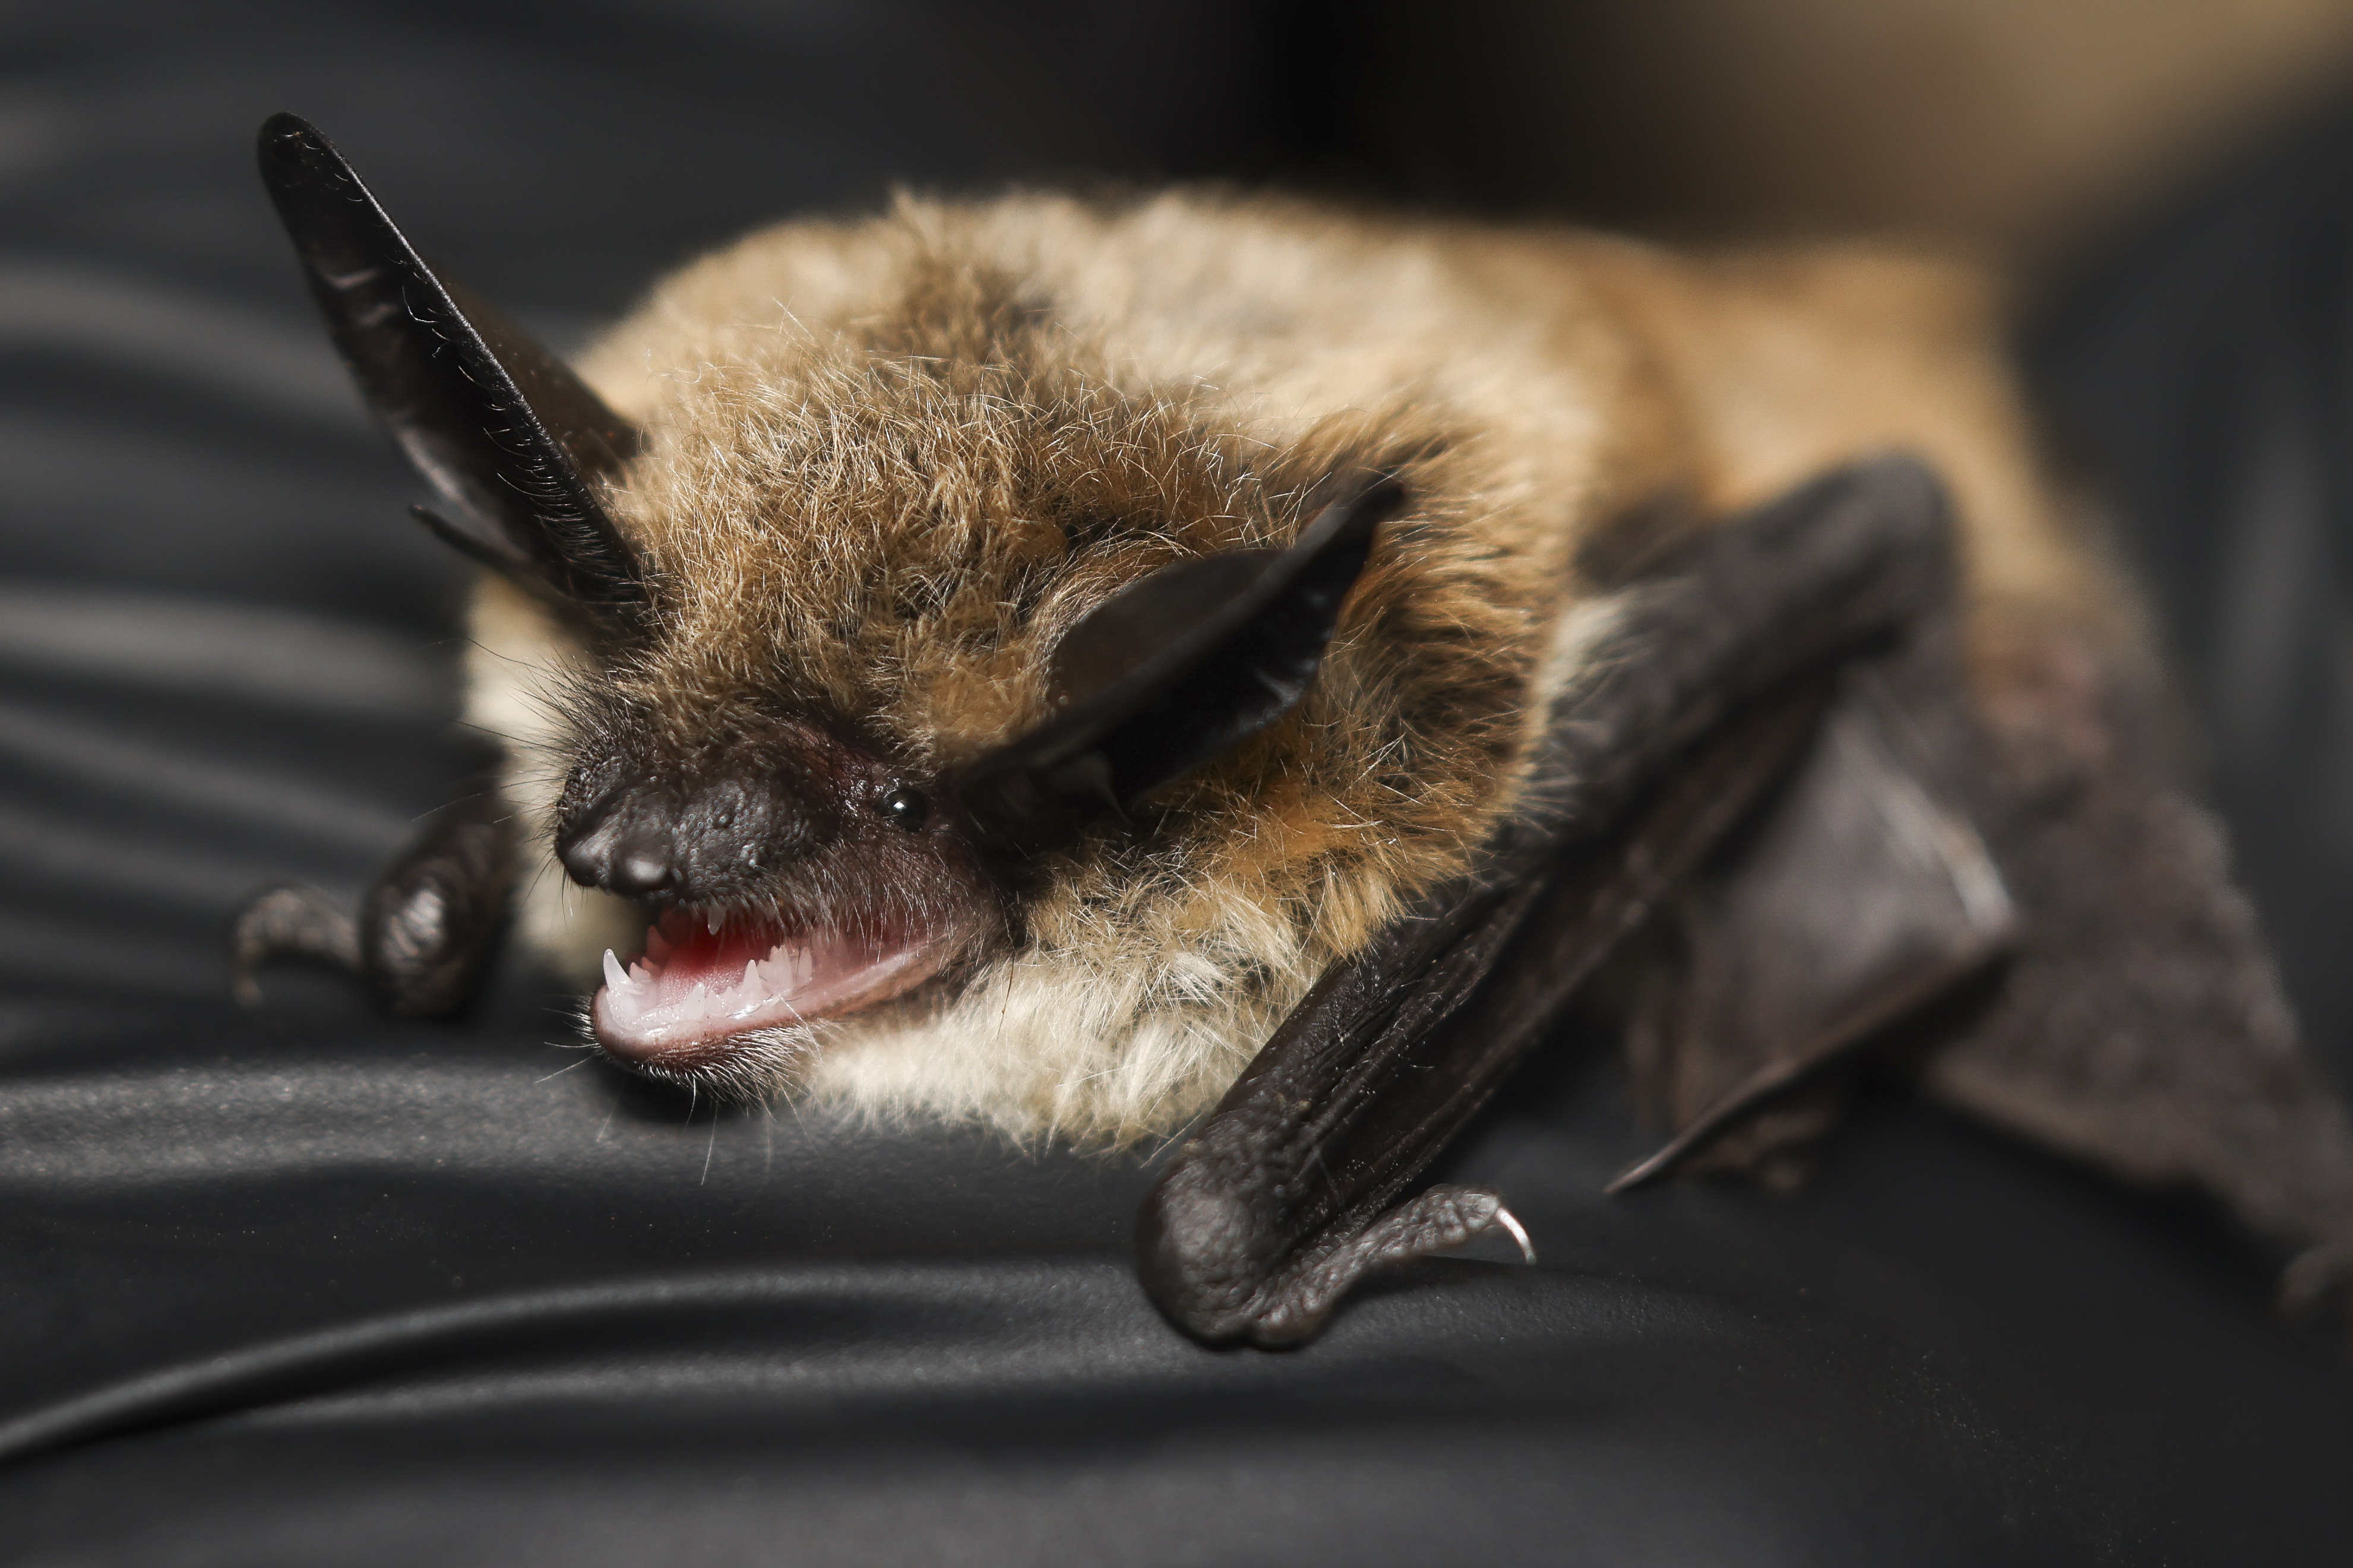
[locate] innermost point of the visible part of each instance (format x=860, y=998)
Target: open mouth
x=705, y=979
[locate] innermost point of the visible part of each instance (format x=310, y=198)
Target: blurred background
x=2023, y=129
x=225, y=657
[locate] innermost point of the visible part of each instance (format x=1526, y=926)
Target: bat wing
x=1863, y=893
x=1845, y=845
x=2136, y=1021
x=1282, y=1200
x=2141, y=1026
x=1719, y=670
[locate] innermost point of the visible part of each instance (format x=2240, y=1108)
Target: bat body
x=1014, y=660
x=889, y=465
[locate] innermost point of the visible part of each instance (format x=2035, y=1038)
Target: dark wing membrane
x=506, y=435
x=1864, y=894
x=2144, y=1029
x=1176, y=670
x=1707, y=688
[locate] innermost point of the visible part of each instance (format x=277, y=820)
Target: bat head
x=855, y=693
x=813, y=854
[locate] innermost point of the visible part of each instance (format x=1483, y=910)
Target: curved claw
x=1509, y=1223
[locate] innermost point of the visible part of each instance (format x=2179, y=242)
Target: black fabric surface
x=305, y=1287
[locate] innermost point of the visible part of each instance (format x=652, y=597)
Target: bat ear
x=508, y=439
x=1178, y=669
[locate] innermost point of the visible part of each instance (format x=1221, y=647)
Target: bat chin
x=709, y=989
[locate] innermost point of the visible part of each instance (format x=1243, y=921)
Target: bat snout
x=662, y=844
x=790, y=877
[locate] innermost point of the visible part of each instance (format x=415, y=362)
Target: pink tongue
x=694, y=988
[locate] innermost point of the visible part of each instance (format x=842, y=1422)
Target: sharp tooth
x=714, y=920
x=614, y=979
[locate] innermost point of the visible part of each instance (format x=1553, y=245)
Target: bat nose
x=670, y=842
x=644, y=871
x=637, y=860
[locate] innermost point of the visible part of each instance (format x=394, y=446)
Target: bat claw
x=1508, y=1222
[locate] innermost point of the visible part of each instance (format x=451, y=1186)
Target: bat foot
x=290, y=921
x=1295, y=1305
x=422, y=939
x=1191, y=1272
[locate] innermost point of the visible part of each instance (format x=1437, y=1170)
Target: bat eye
x=905, y=807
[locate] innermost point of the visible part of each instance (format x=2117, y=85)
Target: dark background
x=305, y=1286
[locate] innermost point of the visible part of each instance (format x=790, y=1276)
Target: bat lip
x=709, y=987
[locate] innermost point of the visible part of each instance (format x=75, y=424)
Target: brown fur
x=889, y=462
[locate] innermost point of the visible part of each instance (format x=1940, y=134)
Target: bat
x=1212, y=666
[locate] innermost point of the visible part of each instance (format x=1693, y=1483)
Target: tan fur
x=890, y=462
